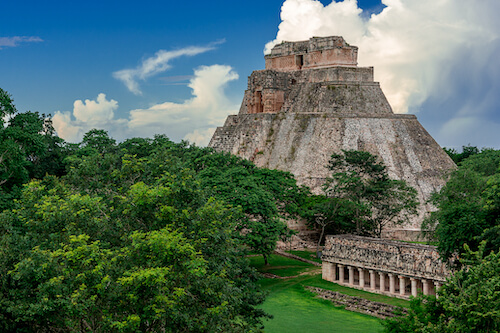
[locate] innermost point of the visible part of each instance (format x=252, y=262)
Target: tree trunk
x=266, y=262
x=319, y=241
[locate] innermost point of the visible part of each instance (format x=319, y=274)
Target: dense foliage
x=466, y=225
x=467, y=151
x=125, y=243
x=151, y=258
x=28, y=149
x=142, y=236
x=469, y=206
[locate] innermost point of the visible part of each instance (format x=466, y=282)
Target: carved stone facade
x=296, y=113
x=383, y=266
x=314, y=53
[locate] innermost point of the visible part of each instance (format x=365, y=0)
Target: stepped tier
x=294, y=118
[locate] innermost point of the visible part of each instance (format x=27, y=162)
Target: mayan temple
x=313, y=100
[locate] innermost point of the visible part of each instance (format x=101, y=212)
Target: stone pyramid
x=313, y=100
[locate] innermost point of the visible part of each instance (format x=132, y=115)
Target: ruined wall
x=294, y=120
x=337, y=89
x=314, y=53
x=302, y=143
x=414, y=260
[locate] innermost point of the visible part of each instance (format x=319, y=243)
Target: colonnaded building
x=312, y=100
x=383, y=266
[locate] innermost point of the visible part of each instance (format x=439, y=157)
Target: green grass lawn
x=280, y=266
x=297, y=310
x=317, y=281
x=309, y=255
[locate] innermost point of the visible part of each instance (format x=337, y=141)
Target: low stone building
x=383, y=266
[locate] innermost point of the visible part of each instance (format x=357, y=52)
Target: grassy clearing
x=309, y=255
x=297, y=310
x=281, y=266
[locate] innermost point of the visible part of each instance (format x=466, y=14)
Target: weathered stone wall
x=295, y=120
x=414, y=260
x=314, y=53
x=302, y=144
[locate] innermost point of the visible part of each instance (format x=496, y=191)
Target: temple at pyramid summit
x=312, y=100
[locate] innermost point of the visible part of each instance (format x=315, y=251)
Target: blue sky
x=189, y=61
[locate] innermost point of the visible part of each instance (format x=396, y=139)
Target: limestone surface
x=312, y=101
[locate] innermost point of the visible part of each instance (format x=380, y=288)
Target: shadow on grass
x=281, y=266
x=309, y=255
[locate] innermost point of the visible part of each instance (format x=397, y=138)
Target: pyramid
x=312, y=100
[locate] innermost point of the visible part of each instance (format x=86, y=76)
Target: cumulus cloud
x=87, y=115
x=200, y=137
x=437, y=55
x=16, y=40
x=194, y=119
x=160, y=62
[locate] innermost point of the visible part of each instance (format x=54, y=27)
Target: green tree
x=375, y=200
x=28, y=149
x=468, y=206
x=145, y=260
x=333, y=215
x=98, y=140
x=264, y=196
x=7, y=107
x=467, y=151
x=128, y=240
x=51, y=158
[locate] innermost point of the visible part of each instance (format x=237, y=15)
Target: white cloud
x=303, y=19
x=156, y=64
x=439, y=51
x=16, y=40
x=200, y=137
x=195, y=119
x=97, y=111
x=86, y=116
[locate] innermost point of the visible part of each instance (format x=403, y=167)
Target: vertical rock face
x=312, y=101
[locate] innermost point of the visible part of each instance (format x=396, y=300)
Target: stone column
x=341, y=273
x=392, y=283
x=326, y=268
x=361, y=277
x=437, y=285
x=425, y=285
x=351, y=275
x=413, y=287
x=373, y=284
x=402, y=285
x=382, y=281
x=329, y=271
